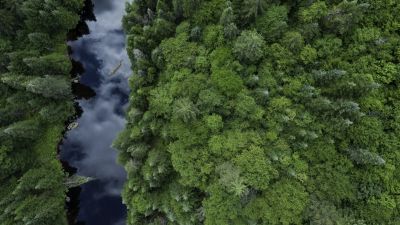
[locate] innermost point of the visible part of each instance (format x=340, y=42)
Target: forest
x=275, y=112
x=242, y=112
x=35, y=103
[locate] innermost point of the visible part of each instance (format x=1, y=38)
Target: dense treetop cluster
x=263, y=112
x=35, y=102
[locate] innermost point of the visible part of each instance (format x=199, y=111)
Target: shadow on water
x=96, y=45
x=82, y=28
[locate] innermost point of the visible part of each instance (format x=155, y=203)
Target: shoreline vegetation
x=263, y=112
x=241, y=112
x=36, y=105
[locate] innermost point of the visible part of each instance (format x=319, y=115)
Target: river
x=87, y=147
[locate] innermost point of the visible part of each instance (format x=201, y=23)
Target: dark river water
x=87, y=148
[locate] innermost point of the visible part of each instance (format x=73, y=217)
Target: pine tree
x=253, y=8
x=28, y=129
x=50, y=87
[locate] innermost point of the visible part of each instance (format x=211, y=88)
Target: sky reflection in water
x=88, y=147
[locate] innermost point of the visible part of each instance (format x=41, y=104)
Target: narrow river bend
x=87, y=147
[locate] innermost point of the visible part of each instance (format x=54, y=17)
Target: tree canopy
x=35, y=103
x=262, y=112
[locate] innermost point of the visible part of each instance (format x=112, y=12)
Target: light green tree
x=249, y=47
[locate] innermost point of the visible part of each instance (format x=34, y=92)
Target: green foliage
x=24, y=129
x=221, y=207
x=344, y=16
x=214, y=122
x=308, y=54
x=226, y=81
x=6, y=162
x=35, y=102
x=285, y=203
x=253, y=8
x=249, y=47
x=184, y=110
x=257, y=168
x=213, y=36
x=293, y=41
x=230, y=178
x=273, y=23
x=227, y=15
x=314, y=12
x=264, y=112
x=40, y=41
x=184, y=7
x=208, y=12
x=53, y=64
x=50, y=87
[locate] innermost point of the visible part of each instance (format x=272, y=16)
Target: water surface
x=87, y=148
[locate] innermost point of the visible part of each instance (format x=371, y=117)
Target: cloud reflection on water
x=100, y=52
